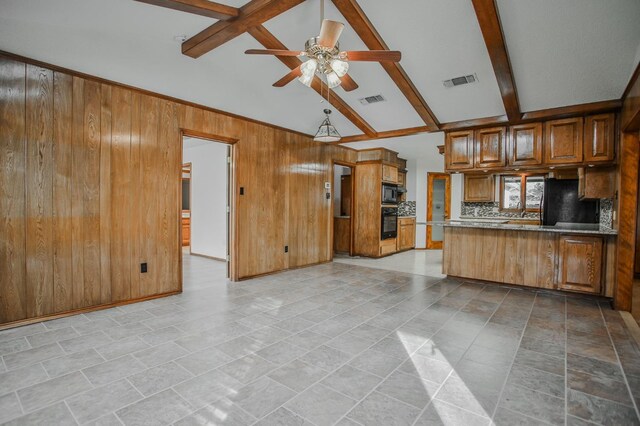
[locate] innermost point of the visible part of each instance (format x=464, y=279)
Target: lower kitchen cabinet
x=388, y=246
x=186, y=231
x=580, y=264
x=406, y=233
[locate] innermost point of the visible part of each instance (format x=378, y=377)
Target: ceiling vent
x=459, y=81
x=372, y=99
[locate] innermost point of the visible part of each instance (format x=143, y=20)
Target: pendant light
x=327, y=132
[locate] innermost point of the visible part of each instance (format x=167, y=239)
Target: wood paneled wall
x=90, y=185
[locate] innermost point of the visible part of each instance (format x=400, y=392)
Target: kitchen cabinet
x=596, y=182
x=341, y=234
x=525, y=145
x=389, y=173
x=599, y=138
x=490, y=147
x=388, y=246
x=402, y=179
x=459, y=150
x=580, y=264
x=186, y=231
x=479, y=188
x=406, y=233
x=563, y=141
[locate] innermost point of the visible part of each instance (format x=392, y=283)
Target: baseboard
x=632, y=325
x=28, y=321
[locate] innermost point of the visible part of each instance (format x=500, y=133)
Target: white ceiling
x=423, y=145
x=563, y=52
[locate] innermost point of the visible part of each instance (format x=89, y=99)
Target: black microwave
x=389, y=193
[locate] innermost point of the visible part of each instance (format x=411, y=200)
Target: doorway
x=205, y=218
x=342, y=209
x=438, y=207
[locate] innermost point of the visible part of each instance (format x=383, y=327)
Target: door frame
x=184, y=167
x=232, y=230
x=431, y=176
x=352, y=166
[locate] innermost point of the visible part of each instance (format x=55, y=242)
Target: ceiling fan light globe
x=306, y=79
x=309, y=67
x=333, y=80
x=340, y=67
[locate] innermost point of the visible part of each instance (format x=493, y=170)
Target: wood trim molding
x=489, y=20
x=269, y=41
x=254, y=13
x=143, y=91
x=198, y=7
x=634, y=77
x=356, y=17
x=478, y=122
x=572, y=110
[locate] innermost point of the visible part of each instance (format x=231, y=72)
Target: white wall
x=208, y=196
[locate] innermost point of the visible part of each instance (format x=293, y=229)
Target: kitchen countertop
x=573, y=228
x=406, y=217
x=342, y=217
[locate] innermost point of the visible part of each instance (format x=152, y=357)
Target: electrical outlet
x=143, y=268
x=286, y=249
x=242, y=190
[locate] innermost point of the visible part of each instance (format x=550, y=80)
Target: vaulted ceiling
x=561, y=52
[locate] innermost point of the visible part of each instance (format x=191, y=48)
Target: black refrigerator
x=562, y=204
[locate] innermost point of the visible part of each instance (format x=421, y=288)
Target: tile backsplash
x=407, y=208
x=492, y=210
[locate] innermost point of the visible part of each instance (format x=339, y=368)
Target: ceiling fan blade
x=330, y=33
x=276, y=52
x=347, y=83
x=374, y=55
x=295, y=73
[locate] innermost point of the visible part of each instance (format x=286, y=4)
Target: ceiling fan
x=325, y=58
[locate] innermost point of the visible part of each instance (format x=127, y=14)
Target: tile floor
x=331, y=344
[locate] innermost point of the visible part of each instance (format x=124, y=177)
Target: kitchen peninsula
x=562, y=257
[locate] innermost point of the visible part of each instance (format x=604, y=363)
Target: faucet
x=523, y=212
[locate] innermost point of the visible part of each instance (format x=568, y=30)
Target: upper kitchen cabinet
x=490, y=147
x=479, y=188
x=525, y=145
x=563, y=141
x=599, y=138
x=389, y=174
x=459, y=150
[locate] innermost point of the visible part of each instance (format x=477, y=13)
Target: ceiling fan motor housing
x=322, y=54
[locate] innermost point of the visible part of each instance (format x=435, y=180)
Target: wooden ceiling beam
x=385, y=135
x=489, y=20
x=358, y=20
x=477, y=122
x=254, y=13
x=269, y=41
x=198, y=7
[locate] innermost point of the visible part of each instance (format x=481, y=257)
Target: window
x=521, y=192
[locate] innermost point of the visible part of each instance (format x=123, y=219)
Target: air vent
x=372, y=99
x=459, y=81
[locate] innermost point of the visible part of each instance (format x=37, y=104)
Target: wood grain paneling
x=366, y=225
x=532, y=259
x=39, y=194
x=90, y=185
x=62, y=193
x=13, y=297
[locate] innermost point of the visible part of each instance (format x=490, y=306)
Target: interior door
x=438, y=207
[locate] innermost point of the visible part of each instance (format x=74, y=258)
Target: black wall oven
x=389, y=228
x=389, y=193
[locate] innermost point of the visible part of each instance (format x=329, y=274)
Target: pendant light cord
x=321, y=11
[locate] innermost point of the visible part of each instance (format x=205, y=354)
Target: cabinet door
x=525, y=145
x=479, y=188
x=490, y=148
x=389, y=173
x=580, y=264
x=563, y=141
x=599, y=138
x=458, y=150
